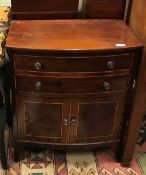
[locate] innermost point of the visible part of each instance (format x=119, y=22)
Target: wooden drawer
x=71, y=85
x=73, y=64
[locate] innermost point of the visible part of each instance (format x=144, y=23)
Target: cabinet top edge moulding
x=66, y=35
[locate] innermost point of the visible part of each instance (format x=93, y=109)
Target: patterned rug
x=97, y=162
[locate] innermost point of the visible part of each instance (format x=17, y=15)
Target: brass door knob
x=38, y=66
x=110, y=64
x=38, y=86
x=73, y=121
x=107, y=85
x=66, y=121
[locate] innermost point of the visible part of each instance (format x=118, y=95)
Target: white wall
x=5, y=2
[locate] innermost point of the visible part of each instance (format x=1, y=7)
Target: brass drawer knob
x=110, y=64
x=107, y=85
x=73, y=121
x=38, y=66
x=66, y=121
x=38, y=86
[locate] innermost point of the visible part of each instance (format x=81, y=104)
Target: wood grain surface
x=67, y=35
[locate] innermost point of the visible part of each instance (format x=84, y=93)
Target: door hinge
x=134, y=83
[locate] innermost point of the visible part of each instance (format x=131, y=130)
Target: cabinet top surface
x=70, y=35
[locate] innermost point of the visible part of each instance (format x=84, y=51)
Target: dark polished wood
x=70, y=78
x=1, y=99
x=83, y=85
x=137, y=21
x=69, y=9
x=138, y=103
x=51, y=121
x=3, y=154
x=105, y=9
x=128, y=11
x=95, y=35
x=47, y=9
x=82, y=64
x=92, y=113
x=45, y=6
x=45, y=15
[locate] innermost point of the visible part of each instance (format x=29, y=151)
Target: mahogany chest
x=73, y=82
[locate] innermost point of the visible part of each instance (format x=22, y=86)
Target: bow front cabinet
x=72, y=83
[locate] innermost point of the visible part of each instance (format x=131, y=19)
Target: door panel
x=99, y=113
x=42, y=119
x=97, y=120
x=37, y=114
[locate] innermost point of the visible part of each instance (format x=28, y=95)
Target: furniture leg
x=18, y=150
x=6, y=91
x=2, y=141
x=133, y=130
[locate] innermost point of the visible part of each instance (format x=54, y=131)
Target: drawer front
x=71, y=85
x=70, y=64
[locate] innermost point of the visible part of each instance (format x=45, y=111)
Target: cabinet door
x=97, y=119
x=42, y=119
